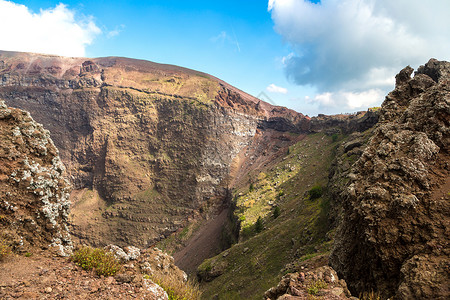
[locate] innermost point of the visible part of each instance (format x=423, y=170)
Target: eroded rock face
x=146, y=146
x=394, y=232
x=34, y=195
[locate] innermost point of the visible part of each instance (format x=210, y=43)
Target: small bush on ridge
x=102, y=261
x=259, y=226
x=315, y=192
x=276, y=212
x=316, y=286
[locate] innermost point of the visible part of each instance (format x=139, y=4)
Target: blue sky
x=328, y=57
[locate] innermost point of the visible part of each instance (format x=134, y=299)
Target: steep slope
x=34, y=209
x=145, y=145
x=153, y=150
x=148, y=147
x=393, y=235
x=263, y=255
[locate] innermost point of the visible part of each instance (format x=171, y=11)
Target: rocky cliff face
x=34, y=195
x=145, y=145
x=393, y=235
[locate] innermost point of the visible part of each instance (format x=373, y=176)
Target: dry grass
x=370, y=296
x=5, y=249
x=177, y=289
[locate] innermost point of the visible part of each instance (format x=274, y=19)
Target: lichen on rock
x=32, y=183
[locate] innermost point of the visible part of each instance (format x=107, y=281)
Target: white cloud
x=53, y=31
x=276, y=89
x=357, y=46
x=344, y=101
x=116, y=31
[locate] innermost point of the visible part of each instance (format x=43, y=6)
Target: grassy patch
x=258, y=261
x=314, y=287
x=176, y=289
x=103, y=262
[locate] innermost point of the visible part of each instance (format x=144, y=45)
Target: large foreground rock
x=34, y=195
x=394, y=235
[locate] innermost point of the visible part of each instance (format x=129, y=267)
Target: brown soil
x=204, y=244
x=43, y=277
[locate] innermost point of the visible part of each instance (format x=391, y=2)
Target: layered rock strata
x=147, y=147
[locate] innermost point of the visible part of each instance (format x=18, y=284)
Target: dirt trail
x=204, y=244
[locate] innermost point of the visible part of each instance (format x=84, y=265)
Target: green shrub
x=251, y=188
x=247, y=231
x=315, y=192
x=276, y=212
x=314, y=287
x=334, y=137
x=102, y=261
x=259, y=226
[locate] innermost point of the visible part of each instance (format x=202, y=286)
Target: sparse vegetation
x=303, y=234
x=176, y=289
x=103, y=262
x=5, y=249
x=251, y=188
x=315, y=286
x=370, y=296
x=276, y=212
x=2, y=218
x=259, y=226
x=247, y=231
x=315, y=192
x=334, y=137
